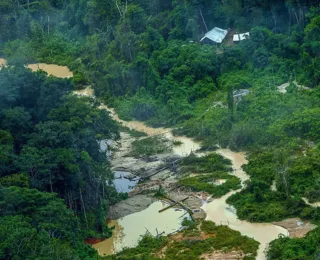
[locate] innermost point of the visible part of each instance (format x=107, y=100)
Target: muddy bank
x=153, y=172
x=283, y=88
x=314, y=204
x=296, y=227
x=220, y=255
x=3, y=63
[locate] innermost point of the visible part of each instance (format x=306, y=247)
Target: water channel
x=218, y=210
x=129, y=229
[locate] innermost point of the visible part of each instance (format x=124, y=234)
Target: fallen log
x=190, y=211
x=170, y=206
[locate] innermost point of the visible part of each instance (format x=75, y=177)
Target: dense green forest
x=144, y=58
x=53, y=176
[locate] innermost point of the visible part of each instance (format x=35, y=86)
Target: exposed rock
x=165, y=175
x=145, y=166
x=169, y=158
x=129, y=206
x=136, y=166
x=123, y=146
x=193, y=202
x=296, y=227
x=164, y=166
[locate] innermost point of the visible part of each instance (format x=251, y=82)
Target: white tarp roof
x=241, y=36
x=216, y=35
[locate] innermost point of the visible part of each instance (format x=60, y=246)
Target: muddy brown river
x=187, y=146
x=129, y=229
x=218, y=210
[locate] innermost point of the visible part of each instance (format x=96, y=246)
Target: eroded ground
x=163, y=171
x=296, y=227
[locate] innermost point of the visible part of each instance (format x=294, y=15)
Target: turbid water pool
x=129, y=229
x=51, y=69
x=124, y=182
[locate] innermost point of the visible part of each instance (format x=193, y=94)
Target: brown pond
x=129, y=229
x=51, y=69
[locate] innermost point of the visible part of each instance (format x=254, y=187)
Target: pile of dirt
x=296, y=227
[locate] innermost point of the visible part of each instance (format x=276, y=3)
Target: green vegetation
x=53, y=176
x=191, y=244
x=206, y=183
x=150, y=146
x=144, y=58
x=210, y=168
x=296, y=248
x=36, y=224
x=205, y=164
x=296, y=176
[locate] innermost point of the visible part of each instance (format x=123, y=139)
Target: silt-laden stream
x=129, y=229
x=218, y=210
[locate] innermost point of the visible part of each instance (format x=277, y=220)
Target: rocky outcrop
x=142, y=167
x=129, y=206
